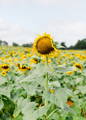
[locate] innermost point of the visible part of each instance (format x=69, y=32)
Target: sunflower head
x=69, y=72
x=70, y=103
x=44, y=44
x=4, y=73
x=78, y=66
x=5, y=67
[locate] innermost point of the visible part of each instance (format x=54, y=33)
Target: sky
x=21, y=21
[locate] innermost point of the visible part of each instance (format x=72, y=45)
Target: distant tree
x=0, y=42
x=27, y=45
x=81, y=44
x=15, y=44
x=63, y=44
x=4, y=43
x=71, y=47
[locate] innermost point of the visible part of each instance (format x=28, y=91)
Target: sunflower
x=34, y=61
x=78, y=66
x=4, y=73
x=52, y=91
x=70, y=103
x=23, y=67
x=5, y=67
x=69, y=72
x=44, y=45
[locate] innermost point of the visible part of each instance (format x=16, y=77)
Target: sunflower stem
x=46, y=81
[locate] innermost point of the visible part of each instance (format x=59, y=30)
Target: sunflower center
x=5, y=67
x=78, y=66
x=44, y=45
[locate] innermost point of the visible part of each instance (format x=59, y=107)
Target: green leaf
x=30, y=112
x=1, y=104
x=58, y=98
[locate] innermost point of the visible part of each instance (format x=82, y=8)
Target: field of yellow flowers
x=26, y=95
x=42, y=82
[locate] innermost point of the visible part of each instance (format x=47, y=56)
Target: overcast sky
x=22, y=20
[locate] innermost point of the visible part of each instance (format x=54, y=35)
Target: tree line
x=3, y=42
x=81, y=44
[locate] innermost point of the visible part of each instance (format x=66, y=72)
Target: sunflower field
x=47, y=85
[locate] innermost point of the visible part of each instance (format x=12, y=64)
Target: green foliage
x=81, y=44
x=15, y=44
x=23, y=98
x=27, y=45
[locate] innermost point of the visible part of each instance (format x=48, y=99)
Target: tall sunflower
x=44, y=44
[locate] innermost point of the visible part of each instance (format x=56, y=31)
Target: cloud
x=14, y=33
x=67, y=31
x=7, y=1
x=40, y=1
x=46, y=2
x=59, y=2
